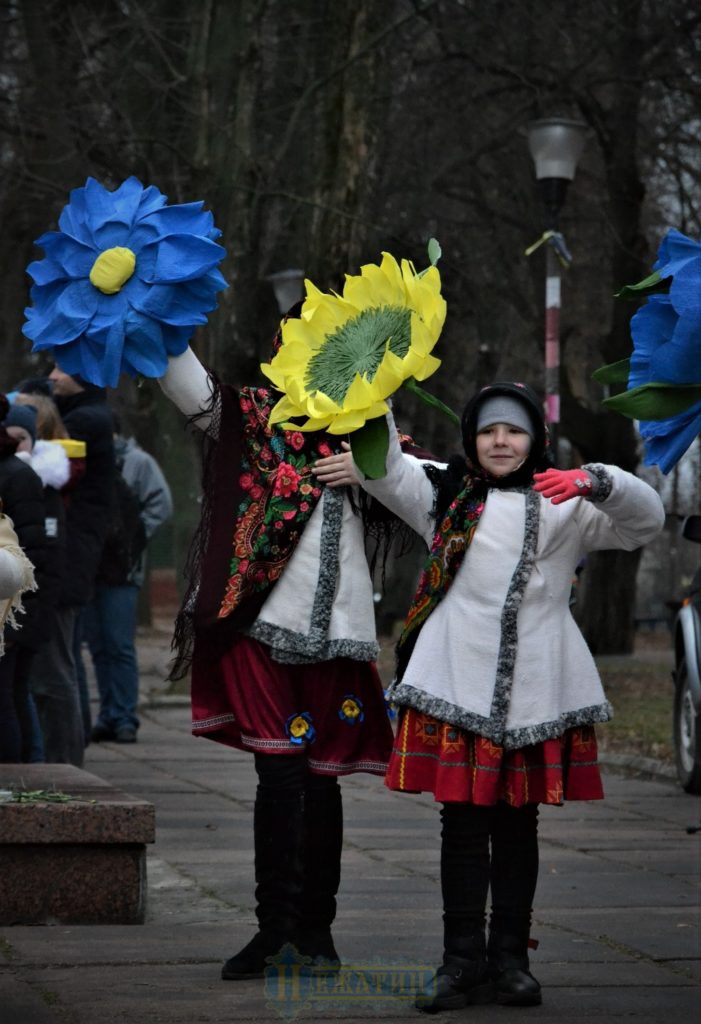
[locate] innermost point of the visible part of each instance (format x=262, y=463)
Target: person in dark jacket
x=52, y=465
x=22, y=496
x=55, y=681
x=110, y=619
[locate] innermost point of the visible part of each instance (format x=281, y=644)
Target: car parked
x=687, y=676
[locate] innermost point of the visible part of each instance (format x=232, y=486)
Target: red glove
x=562, y=484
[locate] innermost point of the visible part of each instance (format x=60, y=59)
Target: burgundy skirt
x=332, y=712
x=457, y=765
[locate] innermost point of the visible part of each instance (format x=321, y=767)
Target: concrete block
x=82, y=861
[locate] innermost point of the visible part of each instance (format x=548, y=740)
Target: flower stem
x=435, y=403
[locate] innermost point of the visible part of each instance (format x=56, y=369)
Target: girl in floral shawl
x=278, y=629
x=497, y=688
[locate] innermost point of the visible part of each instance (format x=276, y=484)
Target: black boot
x=323, y=843
x=278, y=833
x=514, y=876
x=514, y=985
x=462, y=980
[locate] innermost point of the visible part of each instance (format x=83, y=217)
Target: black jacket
x=22, y=496
x=87, y=418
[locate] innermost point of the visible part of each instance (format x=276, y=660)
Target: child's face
x=502, y=448
x=23, y=436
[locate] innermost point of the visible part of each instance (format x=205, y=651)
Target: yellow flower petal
x=390, y=375
x=429, y=366
x=283, y=410
x=319, y=406
x=310, y=425
x=360, y=394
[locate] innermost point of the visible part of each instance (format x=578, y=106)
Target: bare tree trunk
x=606, y=612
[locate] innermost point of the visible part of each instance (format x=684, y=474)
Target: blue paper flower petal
x=679, y=360
x=149, y=316
x=666, y=334
x=667, y=440
x=685, y=290
x=170, y=304
x=651, y=328
x=108, y=341
x=674, y=251
x=178, y=258
x=46, y=272
x=185, y=218
x=144, y=350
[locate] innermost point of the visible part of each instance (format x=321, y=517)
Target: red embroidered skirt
x=332, y=712
x=457, y=765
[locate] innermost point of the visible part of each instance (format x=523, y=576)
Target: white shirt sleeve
x=405, y=490
x=189, y=386
x=631, y=515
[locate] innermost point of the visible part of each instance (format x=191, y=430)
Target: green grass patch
x=642, y=695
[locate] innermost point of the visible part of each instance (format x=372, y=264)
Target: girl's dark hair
x=449, y=482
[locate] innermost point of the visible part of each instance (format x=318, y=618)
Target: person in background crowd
x=50, y=426
x=22, y=498
x=51, y=464
x=55, y=683
x=109, y=621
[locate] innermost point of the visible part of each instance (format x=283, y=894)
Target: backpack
x=126, y=537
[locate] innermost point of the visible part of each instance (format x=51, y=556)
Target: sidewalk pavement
x=616, y=915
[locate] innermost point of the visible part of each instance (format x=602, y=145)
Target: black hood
x=540, y=456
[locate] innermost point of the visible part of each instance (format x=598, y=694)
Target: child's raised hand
x=562, y=484
x=337, y=470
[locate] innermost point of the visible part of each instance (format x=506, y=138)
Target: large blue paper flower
x=664, y=370
x=668, y=351
x=124, y=282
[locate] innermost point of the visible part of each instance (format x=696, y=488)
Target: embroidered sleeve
x=602, y=481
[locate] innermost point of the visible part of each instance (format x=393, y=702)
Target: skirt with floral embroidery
x=457, y=765
x=332, y=712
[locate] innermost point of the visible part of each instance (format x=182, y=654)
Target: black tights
x=298, y=824
x=288, y=773
x=469, y=867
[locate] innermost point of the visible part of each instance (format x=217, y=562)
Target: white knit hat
x=503, y=409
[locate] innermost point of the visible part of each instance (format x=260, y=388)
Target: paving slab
x=616, y=914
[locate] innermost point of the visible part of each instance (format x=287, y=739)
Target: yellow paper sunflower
x=346, y=354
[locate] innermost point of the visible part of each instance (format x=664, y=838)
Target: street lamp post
x=555, y=145
x=288, y=286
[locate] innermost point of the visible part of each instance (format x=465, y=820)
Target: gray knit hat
x=503, y=409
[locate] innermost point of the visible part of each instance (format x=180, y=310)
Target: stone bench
x=82, y=861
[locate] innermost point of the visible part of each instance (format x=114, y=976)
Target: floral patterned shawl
x=258, y=495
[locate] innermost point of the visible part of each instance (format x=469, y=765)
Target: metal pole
x=552, y=345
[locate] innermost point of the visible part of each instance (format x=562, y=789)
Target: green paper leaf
x=655, y=401
x=370, y=444
x=613, y=373
x=435, y=403
x=648, y=286
x=434, y=251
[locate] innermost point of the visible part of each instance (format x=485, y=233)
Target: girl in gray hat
x=498, y=691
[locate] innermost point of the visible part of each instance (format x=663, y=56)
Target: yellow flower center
x=112, y=269
x=350, y=709
x=298, y=727
x=358, y=346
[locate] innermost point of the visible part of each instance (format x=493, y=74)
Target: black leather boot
x=323, y=843
x=463, y=979
x=457, y=983
x=278, y=835
x=514, y=985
